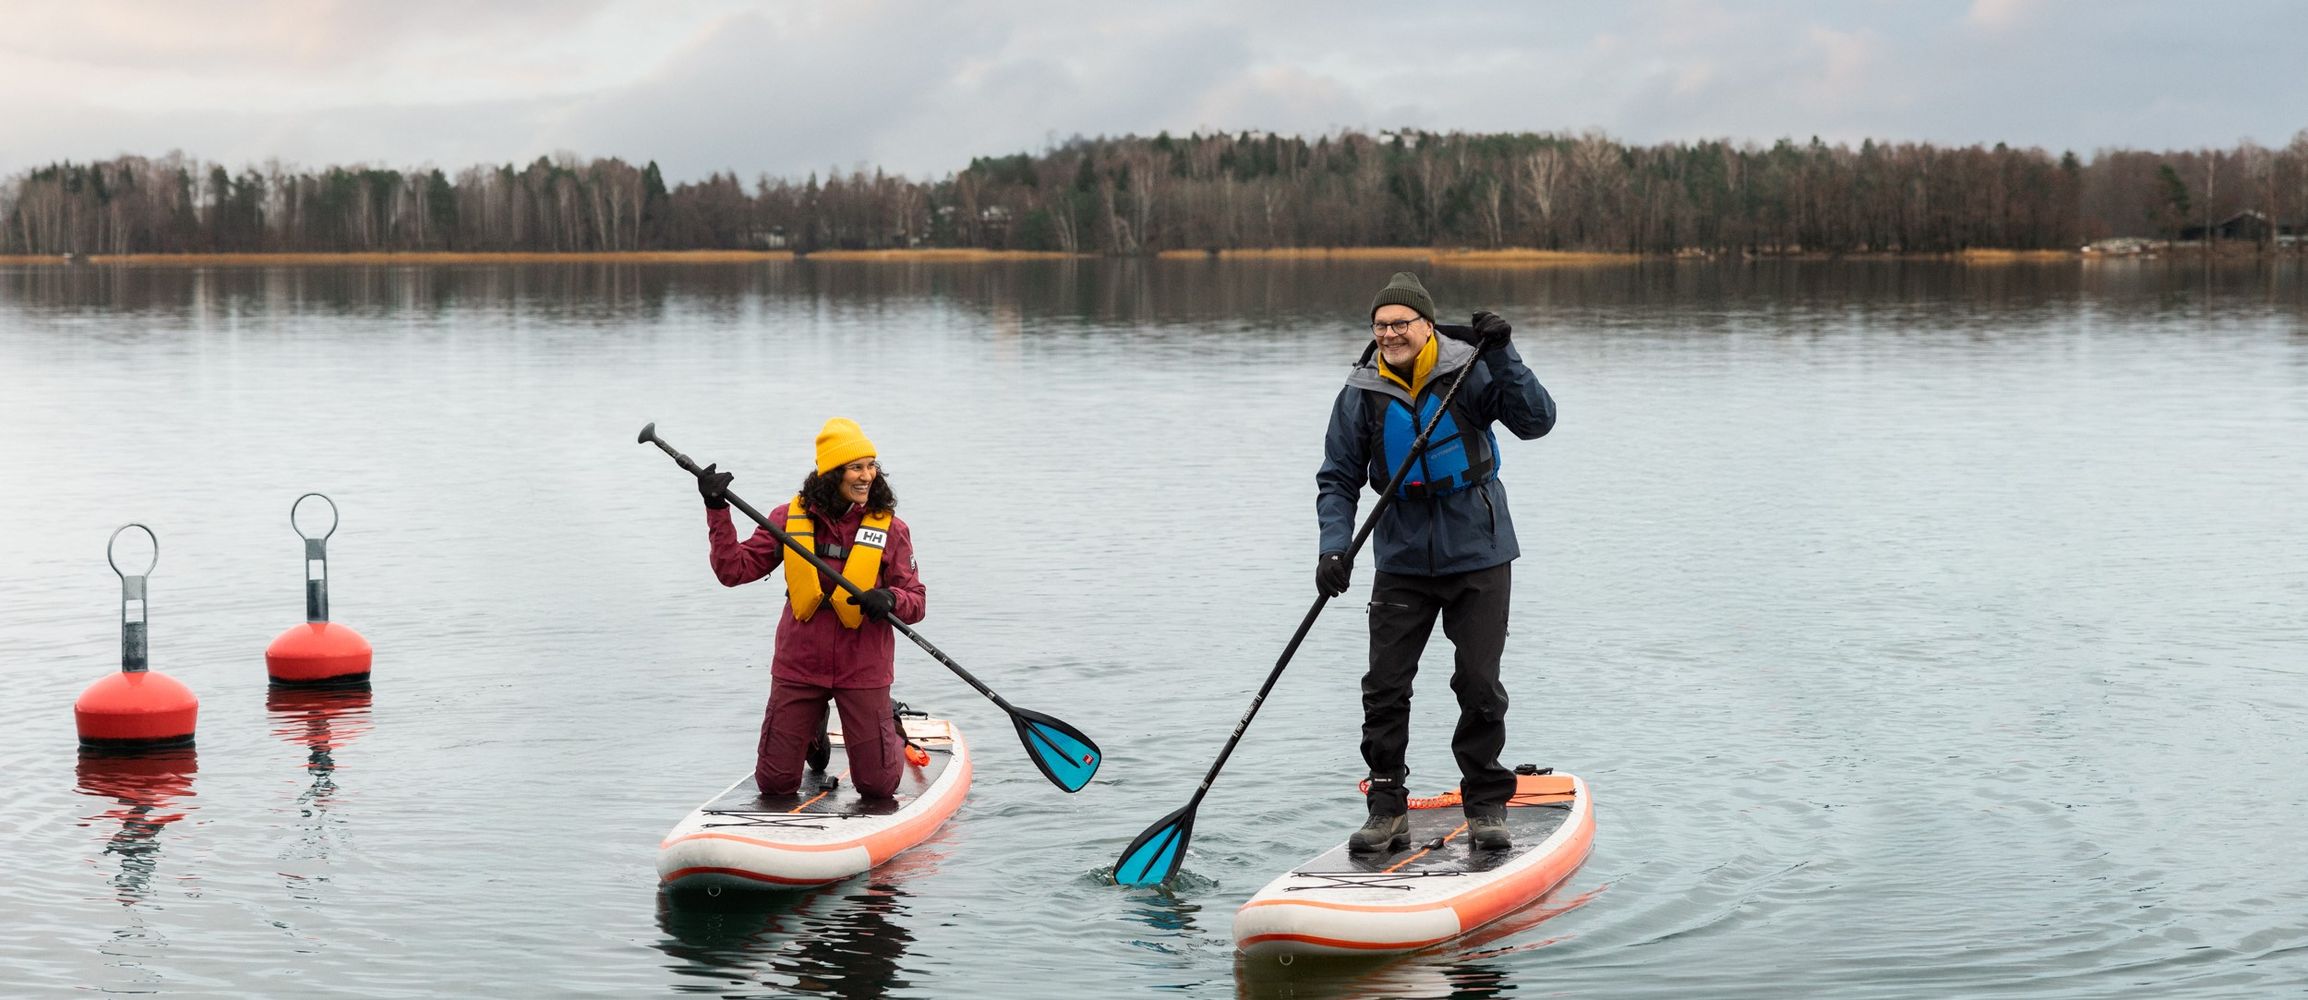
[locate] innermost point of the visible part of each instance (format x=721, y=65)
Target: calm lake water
x=1923, y=630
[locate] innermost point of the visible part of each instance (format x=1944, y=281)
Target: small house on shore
x=2248, y=226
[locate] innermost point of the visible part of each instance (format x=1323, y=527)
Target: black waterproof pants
x=1474, y=616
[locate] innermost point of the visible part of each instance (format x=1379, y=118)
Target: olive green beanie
x=1404, y=290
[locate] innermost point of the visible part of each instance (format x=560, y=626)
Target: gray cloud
x=783, y=96
x=919, y=88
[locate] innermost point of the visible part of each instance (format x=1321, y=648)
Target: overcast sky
x=919, y=88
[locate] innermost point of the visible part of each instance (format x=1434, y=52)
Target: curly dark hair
x=822, y=492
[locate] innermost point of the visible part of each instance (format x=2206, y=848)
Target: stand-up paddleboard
x=824, y=832
x=1435, y=888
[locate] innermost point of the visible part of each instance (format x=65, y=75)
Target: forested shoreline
x=1134, y=195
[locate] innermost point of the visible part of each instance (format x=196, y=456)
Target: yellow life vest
x=863, y=566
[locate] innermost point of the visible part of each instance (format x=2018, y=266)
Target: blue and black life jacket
x=1454, y=460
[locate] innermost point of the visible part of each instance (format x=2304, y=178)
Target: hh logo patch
x=874, y=537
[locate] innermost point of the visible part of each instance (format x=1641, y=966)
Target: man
x=1444, y=546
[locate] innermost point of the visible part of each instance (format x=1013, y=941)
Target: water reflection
x=844, y=940
x=1170, y=910
x=322, y=721
x=1411, y=979
x=145, y=790
x=1015, y=295
x=1170, y=914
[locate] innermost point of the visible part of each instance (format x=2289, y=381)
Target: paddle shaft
x=649, y=434
x=1306, y=624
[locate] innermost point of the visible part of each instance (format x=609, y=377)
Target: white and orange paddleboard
x=823, y=833
x=1435, y=888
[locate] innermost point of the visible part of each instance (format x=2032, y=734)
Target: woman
x=846, y=513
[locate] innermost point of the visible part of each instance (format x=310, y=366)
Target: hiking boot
x=1379, y=833
x=819, y=754
x=1488, y=832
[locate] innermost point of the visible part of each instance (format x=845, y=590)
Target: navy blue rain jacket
x=1438, y=536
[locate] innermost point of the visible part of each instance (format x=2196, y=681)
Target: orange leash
x=1443, y=801
x=828, y=791
x=1423, y=851
x=1452, y=798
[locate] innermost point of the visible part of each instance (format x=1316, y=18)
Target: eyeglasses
x=863, y=465
x=1398, y=327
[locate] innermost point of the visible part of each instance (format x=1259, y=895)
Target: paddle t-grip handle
x=687, y=464
x=649, y=436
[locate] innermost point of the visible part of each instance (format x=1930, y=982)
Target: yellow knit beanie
x=840, y=443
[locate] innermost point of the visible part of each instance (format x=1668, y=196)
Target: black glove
x=1491, y=332
x=877, y=603
x=820, y=751
x=713, y=486
x=1333, y=574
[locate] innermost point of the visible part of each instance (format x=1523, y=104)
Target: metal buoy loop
x=316, y=559
x=332, y=516
x=110, y=543
x=133, y=641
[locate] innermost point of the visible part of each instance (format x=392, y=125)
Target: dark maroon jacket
x=820, y=651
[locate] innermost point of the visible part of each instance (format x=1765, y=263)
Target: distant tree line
x=1137, y=195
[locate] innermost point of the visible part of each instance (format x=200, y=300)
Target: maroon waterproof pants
x=796, y=716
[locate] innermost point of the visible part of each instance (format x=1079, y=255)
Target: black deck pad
x=744, y=805
x=1437, y=846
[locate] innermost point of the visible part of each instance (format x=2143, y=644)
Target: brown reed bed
x=1983, y=255
x=941, y=255
x=1434, y=255
x=1534, y=258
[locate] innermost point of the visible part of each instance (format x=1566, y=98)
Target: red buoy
x=318, y=652
x=137, y=708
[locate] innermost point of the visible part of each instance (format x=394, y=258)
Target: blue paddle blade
x=1155, y=855
x=1066, y=756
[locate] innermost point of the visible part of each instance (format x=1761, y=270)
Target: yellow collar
x=1421, y=366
